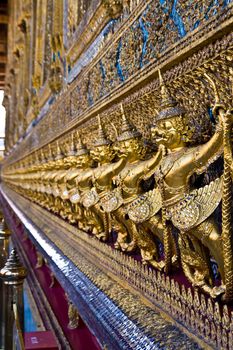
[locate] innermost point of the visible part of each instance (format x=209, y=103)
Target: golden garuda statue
x=184, y=208
x=173, y=220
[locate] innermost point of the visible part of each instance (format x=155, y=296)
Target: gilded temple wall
x=121, y=55
x=83, y=75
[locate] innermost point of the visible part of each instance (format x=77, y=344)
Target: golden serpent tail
x=226, y=223
x=167, y=237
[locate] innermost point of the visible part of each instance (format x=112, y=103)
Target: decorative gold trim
x=159, y=293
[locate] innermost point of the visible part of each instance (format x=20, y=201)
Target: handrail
x=13, y=275
x=18, y=343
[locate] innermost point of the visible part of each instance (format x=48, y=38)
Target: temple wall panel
x=119, y=161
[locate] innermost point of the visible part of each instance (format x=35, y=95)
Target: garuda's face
x=166, y=133
x=129, y=147
x=83, y=160
x=102, y=154
x=122, y=148
x=70, y=161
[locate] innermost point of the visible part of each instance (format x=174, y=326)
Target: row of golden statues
x=145, y=201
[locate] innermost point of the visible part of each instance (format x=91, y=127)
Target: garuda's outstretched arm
x=206, y=154
x=151, y=164
x=228, y=152
x=84, y=179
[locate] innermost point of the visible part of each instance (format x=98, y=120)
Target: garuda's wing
x=74, y=195
x=196, y=206
x=90, y=198
x=145, y=206
x=111, y=201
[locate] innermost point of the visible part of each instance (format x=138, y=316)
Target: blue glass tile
x=177, y=20
x=145, y=36
x=210, y=113
x=29, y=321
x=118, y=64
x=89, y=93
x=226, y=2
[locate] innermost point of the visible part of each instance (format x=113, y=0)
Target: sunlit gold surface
x=101, y=191
x=139, y=160
x=110, y=270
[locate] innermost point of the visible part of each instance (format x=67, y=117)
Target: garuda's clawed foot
x=129, y=247
x=159, y=265
x=103, y=236
x=216, y=291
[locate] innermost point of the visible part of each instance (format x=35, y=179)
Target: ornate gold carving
x=13, y=273
x=158, y=195
x=101, y=193
x=39, y=260
x=39, y=43
x=73, y=315
x=56, y=78
x=93, y=257
x=108, y=10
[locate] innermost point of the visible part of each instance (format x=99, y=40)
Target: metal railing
x=18, y=343
x=12, y=275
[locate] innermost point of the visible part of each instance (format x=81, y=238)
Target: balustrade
x=12, y=276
